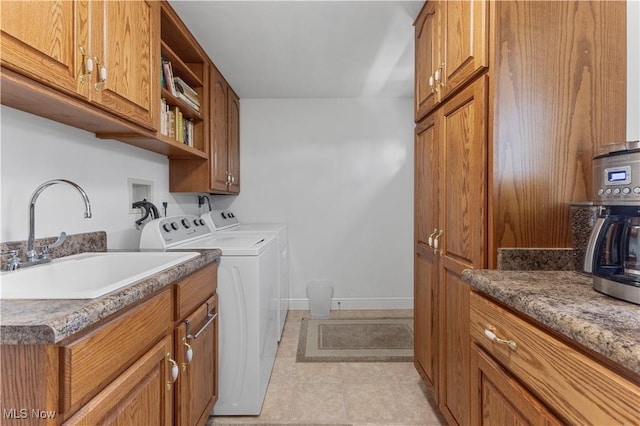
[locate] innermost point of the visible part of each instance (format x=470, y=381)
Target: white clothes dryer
x=247, y=285
x=226, y=221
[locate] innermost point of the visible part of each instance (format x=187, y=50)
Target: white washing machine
x=247, y=285
x=226, y=221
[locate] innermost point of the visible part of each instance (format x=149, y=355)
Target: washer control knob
x=166, y=227
x=224, y=215
x=201, y=222
x=174, y=226
x=185, y=223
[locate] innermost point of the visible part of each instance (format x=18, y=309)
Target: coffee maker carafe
x=613, y=252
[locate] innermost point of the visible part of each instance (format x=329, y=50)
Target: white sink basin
x=86, y=275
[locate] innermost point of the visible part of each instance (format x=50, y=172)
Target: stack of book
x=177, y=87
x=174, y=125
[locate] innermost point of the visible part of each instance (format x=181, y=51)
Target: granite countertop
x=566, y=302
x=49, y=321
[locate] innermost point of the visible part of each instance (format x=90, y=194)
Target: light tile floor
x=340, y=393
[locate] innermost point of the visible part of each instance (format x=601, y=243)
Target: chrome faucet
x=32, y=258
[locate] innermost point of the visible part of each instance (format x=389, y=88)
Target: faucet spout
x=31, y=253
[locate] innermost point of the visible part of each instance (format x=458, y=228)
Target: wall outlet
x=139, y=189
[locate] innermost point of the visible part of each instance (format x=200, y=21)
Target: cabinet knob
x=489, y=331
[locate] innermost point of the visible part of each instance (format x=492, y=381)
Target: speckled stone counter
x=565, y=302
x=49, y=321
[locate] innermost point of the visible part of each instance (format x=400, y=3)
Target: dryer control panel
x=168, y=231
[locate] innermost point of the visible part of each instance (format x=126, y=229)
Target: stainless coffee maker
x=613, y=253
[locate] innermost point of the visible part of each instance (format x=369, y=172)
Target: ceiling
x=308, y=49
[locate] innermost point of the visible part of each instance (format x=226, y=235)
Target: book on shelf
x=168, y=76
x=186, y=93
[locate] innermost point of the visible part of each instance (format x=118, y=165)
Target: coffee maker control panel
x=616, y=177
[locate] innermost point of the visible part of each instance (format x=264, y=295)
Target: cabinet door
x=426, y=181
x=233, y=142
x=425, y=315
x=197, y=389
x=125, y=43
x=498, y=399
x=142, y=395
x=463, y=178
x=219, y=154
x=42, y=40
x=426, y=55
x=462, y=213
x=465, y=51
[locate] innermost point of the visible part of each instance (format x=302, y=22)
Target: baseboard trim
x=357, y=303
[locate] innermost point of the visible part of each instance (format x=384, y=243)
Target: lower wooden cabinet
x=197, y=356
x=531, y=374
x=142, y=395
x=132, y=368
x=500, y=399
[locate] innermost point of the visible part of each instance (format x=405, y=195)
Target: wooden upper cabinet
x=464, y=53
x=233, y=142
x=451, y=49
x=42, y=40
x=125, y=40
x=220, y=120
x=426, y=45
x=100, y=51
x=463, y=176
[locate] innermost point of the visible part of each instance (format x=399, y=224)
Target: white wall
x=34, y=150
x=633, y=70
x=340, y=173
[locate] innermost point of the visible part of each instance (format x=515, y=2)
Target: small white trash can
x=320, y=293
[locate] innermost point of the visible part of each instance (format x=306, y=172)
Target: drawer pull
x=489, y=332
x=211, y=318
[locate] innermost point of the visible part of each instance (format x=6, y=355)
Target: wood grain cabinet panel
x=142, y=395
x=125, y=40
x=517, y=97
x=42, y=40
x=500, y=399
x=197, y=356
x=92, y=361
x=451, y=45
x=580, y=389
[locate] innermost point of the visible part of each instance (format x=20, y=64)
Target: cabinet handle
x=188, y=354
x=87, y=63
x=233, y=179
x=210, y=317
x=436, y=243
x=228, y=178
x=489, y=331
x=174, y=371
x=432, y=83
x=430, y=240
x=438, y=75
x=102, y=74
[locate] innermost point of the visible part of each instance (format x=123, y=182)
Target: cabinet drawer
x=575, y=386
x=89, y=363
x=195, y=289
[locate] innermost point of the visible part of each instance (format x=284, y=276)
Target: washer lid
x=232, y=244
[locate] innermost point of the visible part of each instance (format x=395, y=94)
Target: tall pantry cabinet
x=512, y=99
